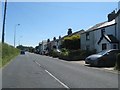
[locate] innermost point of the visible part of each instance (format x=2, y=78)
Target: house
x=102, y=36
x=117, y=20
x=87, y=38
x=42, y=46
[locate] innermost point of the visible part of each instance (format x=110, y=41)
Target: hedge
x=73, y=55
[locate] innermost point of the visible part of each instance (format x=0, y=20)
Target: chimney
x=111, y=16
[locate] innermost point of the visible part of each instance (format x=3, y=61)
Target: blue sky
x=40, y=21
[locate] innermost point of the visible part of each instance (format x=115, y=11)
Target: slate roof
x=95, y=26
x=100, y=25
x=80, y=31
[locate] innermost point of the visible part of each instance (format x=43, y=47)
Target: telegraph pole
x=3, y=30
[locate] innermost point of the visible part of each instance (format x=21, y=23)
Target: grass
x=7, y=52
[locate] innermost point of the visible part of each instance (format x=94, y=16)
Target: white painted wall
x=44, y=45
x=95, y=37
x=89, y=42
x=102, y=42
x=97, y=34
x=118, y=27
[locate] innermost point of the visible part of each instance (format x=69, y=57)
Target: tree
x=69, y=31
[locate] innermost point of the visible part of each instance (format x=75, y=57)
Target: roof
x=107, y=23
x=80, y=31
x=109, y=38
x=118, y=12
x=95, y=26
x=100, y=25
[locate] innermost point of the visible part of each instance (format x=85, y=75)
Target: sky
x=45, y=20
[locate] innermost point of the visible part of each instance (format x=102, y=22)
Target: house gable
x=109, y=38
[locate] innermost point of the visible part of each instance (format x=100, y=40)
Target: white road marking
x=57, y=79
x=53, y=76
x=37, y=63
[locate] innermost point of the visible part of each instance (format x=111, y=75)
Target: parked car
x=104, y=58
x=22, y=52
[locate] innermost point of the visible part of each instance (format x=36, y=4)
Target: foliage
x=54, y=53
x=71, y=42
x=8, y=52
x=118, y=62
x=64, y=54
x=30, y=49
x=75, y=54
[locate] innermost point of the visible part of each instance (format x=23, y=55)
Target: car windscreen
x=102, y=52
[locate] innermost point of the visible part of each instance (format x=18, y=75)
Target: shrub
x=71, y=42
x=54, y=53
x=64, y=54
x=75, y=54
x=118, y=62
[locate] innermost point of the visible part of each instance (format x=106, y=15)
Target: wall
x=97, y=34
x=118, y=28
x=89, y=42
x=100, y=45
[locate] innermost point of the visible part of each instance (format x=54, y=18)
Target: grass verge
x=7, y=52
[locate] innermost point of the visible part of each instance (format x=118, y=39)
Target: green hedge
x=8, y=52
x=73, y=55
x=53, y=53
x=71, y=42
x=118, y=62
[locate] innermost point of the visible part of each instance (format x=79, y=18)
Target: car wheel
x=96, y=63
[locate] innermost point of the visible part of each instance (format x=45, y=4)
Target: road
x=36, y=71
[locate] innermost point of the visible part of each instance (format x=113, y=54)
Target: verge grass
x=7, y=52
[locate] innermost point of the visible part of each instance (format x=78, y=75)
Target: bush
x=64, y=54
x=71, y=42
x=118, y=62
x=75, y=54
x=54, y=53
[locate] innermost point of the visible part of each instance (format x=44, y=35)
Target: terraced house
x=103, y=36
x=117, y=19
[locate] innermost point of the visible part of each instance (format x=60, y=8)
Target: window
x=114, y=46
x=102, y=31
x=87, y=36
x=104, y=46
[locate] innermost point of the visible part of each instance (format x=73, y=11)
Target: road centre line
x=53, y=76
x=57, y=79
x=37, y=63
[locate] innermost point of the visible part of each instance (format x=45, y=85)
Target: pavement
x=109, y=69
x=36, y=71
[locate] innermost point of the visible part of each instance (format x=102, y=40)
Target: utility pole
x=3, y=30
